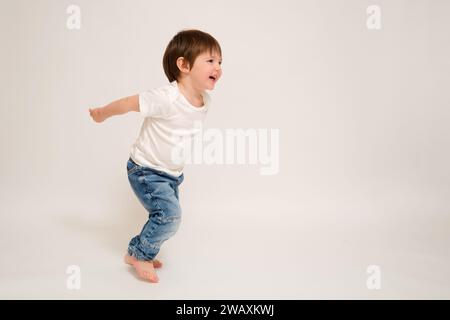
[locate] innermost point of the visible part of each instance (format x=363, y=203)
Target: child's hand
x=97, y=114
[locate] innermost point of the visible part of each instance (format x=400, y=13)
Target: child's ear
x=183, y=64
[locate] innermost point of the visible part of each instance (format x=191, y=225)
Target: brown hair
x=188, y=44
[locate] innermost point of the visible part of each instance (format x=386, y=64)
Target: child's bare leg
x=145, y=269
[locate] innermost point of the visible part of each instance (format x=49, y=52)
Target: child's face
x=206, y=65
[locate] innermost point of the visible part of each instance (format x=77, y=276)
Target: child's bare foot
x=144, y=269
x=156, y=263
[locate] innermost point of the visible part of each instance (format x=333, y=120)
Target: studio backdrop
x=329, y=176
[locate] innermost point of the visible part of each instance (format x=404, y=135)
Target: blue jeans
x=157, y=191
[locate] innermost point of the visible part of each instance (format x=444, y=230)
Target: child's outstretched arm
x=117, y=107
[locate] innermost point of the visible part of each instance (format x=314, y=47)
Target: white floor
x=287, y=258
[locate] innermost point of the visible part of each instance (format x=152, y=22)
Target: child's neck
x=193, y=95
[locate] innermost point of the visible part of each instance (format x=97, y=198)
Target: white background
x=364, y=150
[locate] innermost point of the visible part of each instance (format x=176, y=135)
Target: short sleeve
x=152, y=103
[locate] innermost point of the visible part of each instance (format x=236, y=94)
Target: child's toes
x=157, y=263
x=150, y=277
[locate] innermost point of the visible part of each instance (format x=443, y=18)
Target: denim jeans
x=157, y=191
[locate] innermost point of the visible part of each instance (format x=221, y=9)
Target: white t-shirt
x=169, y=119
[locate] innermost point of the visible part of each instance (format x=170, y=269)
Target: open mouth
x=212, y=78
